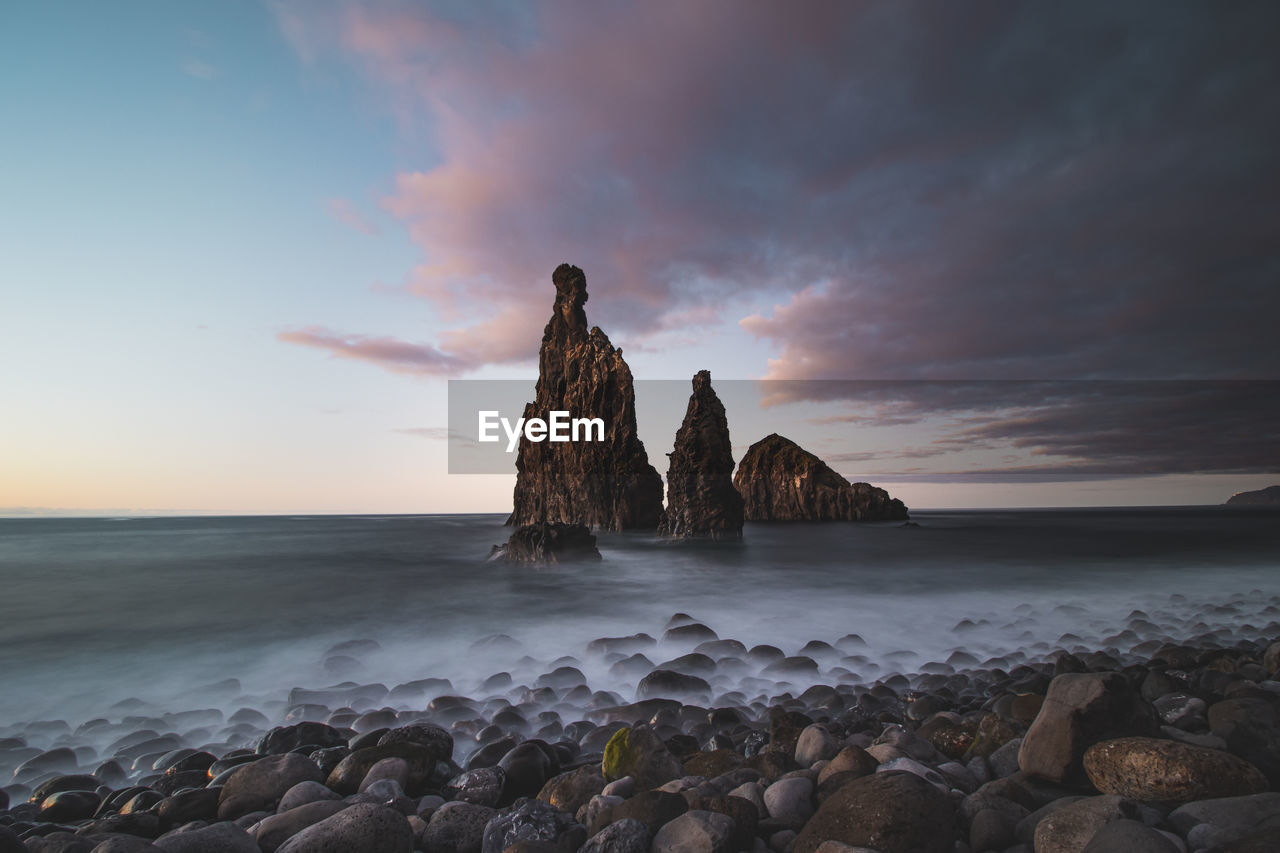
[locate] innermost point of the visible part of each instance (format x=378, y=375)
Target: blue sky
x=212, y=212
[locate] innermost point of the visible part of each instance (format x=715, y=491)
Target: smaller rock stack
x=701, y=498
x=781, y=481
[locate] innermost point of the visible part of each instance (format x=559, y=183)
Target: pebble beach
x=1158, y=732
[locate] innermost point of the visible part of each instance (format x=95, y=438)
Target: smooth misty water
x=94, y=611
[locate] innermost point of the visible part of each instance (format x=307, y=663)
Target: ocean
x=155, y=612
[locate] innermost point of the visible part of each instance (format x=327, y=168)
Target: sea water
x=96, y=611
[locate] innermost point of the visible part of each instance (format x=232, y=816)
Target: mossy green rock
x=617, y=755
x=638, y=752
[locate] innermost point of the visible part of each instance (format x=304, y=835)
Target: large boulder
x=272, y=831
x=1129, y=836
x=366, y=827
x=623, y=836
x=696, y=832
x=433, y=737
x=638, y=752
x=420, y=762
x=1241, y=813
x=781, y=481
x=607, y=484
x=1151, y=769
x=221, y=837
x=260, y=784
x=651, y=808
x=1079, y=710
x=1071, y=828
x=456, y=828
x=530, y=820
x=701, y=498
x=891, y=812
x=572, y=790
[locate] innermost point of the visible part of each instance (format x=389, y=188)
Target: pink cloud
x=927, y=190
x=393, y=354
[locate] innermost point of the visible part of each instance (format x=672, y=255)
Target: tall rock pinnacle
x=701, y=498
x=605, y=484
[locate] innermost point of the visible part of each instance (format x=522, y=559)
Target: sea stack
x=701, y=498
x=606, y=484
x=781, y=481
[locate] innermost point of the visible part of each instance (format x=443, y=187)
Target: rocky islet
x=610, y=485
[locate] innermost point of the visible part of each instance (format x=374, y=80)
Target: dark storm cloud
x=978, y=189
x=1061, y=430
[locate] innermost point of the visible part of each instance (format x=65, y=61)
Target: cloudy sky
x=244, y=245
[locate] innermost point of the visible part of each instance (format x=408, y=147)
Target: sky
x=981, y=253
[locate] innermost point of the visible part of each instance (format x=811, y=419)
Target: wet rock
x=665, y=683
x=1166, y=770
x=531, y=820
x=790, y=801
x=815, y=743
x=571, y=791
x=1081, y=709
x=771, y=765
x=701, y=498
x=691, y=632
x=890, y=812
x=548, y=542
x=1069, y=829
x=65, y=782
x=696, y=832
x=56, y=842
x=784, y=730
x=851, y=759
x=260, y=785
x=713, y=763
x=215, y=838
x=392, y=769
x=456, y=828
x=651, y=808
x=433, y=737
x=142, y=824
x=288, y=738
x=1129, y=836
x=1239, y=812
x=116, y=844
x=186, y=806
x=608, y=484
x=780, y=481
x=366, y=827
x=420, y=761
x=623, y=836
x=525, y=770
x=481, y=787
x=991, y=830
x=69, y=806
x=275, y=830
x=306, y=792
x=638, y=752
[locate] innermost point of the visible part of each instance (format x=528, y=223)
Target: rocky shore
x=1163, y=737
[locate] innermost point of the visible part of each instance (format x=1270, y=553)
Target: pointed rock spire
x=701, y=498
x=605, y=484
